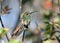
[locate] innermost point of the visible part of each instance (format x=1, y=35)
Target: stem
x=23, y=35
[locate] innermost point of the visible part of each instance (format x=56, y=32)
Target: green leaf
x=57, y=19
x=14, y=41
x=3, y=31
x=48, y=36
x=48, y=41
x=48, y=15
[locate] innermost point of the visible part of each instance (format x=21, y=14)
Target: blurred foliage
x=14, y=41
x=24, y=1
x=50, y=25
x=48, y=15
x=3, y=31
x=57, y=19
x=47, y=41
